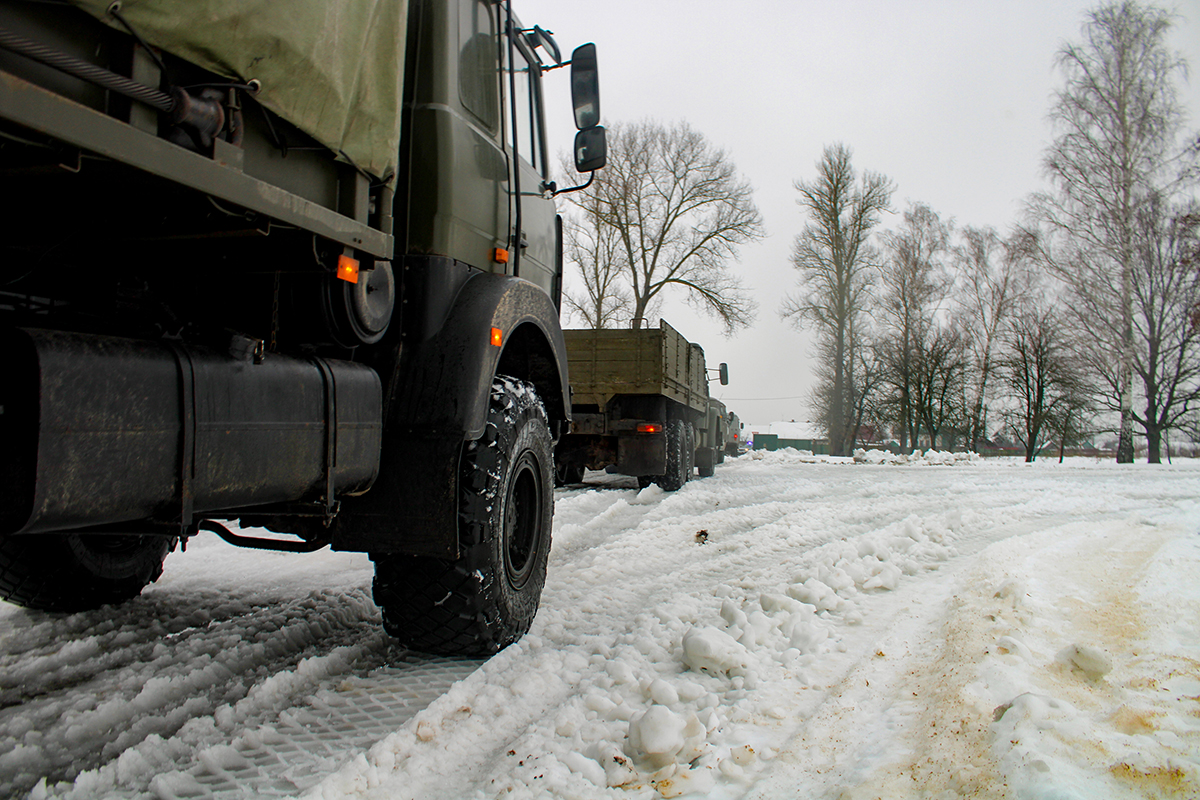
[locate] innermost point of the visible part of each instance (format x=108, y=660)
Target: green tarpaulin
x=333, y=68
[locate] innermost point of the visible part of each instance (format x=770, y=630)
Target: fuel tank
x=96, y=430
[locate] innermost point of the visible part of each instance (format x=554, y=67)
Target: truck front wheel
x=76, y=572
x=487, y=598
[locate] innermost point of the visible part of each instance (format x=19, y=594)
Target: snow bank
x=928, y=458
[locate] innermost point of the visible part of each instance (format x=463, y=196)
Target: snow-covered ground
x=791, y=627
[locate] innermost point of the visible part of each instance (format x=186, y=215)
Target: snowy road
x=789, y=627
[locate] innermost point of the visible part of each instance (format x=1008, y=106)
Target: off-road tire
x=71, y=572
x=487, y=598
x=678, y=463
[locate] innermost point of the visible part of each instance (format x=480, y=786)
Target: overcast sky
x=948, y=99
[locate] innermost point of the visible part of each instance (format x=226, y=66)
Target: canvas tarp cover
x=333, y=68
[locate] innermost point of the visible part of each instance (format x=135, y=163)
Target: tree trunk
x=837, y=412
x=1125, y=437
x=1154, y=444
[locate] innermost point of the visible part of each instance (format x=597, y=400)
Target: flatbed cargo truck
x=292, y=266
x=640, y=406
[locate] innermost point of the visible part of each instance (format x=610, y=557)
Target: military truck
x=293, y=266
x=734, y=440
x=713, y=438
x=640, y=406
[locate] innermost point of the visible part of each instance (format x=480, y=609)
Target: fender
x=440, y=400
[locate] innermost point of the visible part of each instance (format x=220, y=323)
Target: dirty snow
x=794, y=626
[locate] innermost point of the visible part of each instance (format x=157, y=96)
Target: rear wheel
x=678, y=463
x=77, y=572
x=487, y=598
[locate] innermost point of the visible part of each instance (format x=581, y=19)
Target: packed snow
x=936, y=626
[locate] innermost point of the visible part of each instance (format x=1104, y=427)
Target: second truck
x=640, y=406
x=292, y=266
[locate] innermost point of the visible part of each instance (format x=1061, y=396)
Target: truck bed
x=608, y=363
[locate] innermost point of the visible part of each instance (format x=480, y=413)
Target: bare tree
x=866, y=392
x=604, y=301
x=992, y=282
x=913, y=288
x=1117, y=116
x=679, y=212
x=1166, y=289
x=835, y=260
x=1045, y=384
x=938, y=383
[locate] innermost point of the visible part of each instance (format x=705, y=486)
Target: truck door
x=535, y=242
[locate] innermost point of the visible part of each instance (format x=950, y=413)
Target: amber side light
x=347, y=269
x=497, y=337
x=500, y=255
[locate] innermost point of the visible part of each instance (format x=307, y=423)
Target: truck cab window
x=478, y=64
x=528, y=132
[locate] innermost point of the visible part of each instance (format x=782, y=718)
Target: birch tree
x=913, y=288
x=992, y=282
x=1117, y=119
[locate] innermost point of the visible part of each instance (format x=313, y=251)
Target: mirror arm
x=591, y=177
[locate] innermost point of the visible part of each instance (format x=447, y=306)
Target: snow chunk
x=657, y=731
x=589, y=769
x=659, y=737
x=1092, y=662
x=663, y=693
x=710, y=650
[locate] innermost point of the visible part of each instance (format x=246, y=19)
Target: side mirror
x=591, y=149
x=541, y=38
x=585, y=87
x=724, y=372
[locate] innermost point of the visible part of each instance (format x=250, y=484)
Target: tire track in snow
x=144, y=681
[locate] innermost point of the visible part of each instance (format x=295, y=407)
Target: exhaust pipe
x=99, y=430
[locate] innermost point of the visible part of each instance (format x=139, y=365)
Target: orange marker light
x=649, y=427
x=347, y=269
x=500, y=255
x=497, y=337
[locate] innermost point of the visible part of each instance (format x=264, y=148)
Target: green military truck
x=716, y=433
x=640, y=407
x=734, y=438
x=294, y=266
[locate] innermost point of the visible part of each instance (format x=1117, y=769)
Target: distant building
x=797, y=435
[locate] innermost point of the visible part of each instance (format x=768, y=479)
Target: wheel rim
x=523, y=520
